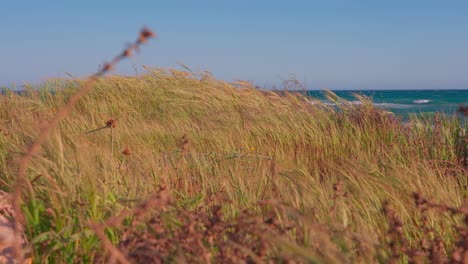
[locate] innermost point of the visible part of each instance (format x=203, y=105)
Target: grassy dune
x=219, y=172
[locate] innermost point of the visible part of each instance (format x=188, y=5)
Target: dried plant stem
x=122, y=162
x=94, y=130
x=43, y=134
x=115, y=254
x=112, y=141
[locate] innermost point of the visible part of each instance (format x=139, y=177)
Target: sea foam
x=421, y=101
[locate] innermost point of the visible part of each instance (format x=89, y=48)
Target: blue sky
x=329, y=44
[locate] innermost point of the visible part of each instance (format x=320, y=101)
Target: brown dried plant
x=158, y=200
x=126, y=152
x=397, y=243
x=463, y=109
x=111, y=123
x=431, y=247
x=436, y=249
x=160, y=231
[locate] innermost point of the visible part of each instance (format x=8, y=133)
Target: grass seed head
x=127, y=152
x=145, y=34
x=107, y=67
x=127, y=52
x=111, y=123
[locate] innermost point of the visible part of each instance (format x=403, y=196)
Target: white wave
x=390, y=105
x=421, y=101
x=379, y=105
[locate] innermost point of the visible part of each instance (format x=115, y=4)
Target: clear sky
x=330, y=44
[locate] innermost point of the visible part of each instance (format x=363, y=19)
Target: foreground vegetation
x=174, y=166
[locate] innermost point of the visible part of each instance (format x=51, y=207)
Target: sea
x=406, y=103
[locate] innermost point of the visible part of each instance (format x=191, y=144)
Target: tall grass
x=212, y=143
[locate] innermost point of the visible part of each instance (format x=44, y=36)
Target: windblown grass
x=320, y=174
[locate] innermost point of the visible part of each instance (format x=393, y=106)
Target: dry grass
x=250, y=175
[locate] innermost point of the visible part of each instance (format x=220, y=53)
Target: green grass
x=245, y=144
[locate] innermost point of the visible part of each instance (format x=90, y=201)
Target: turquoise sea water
x=407, y=102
